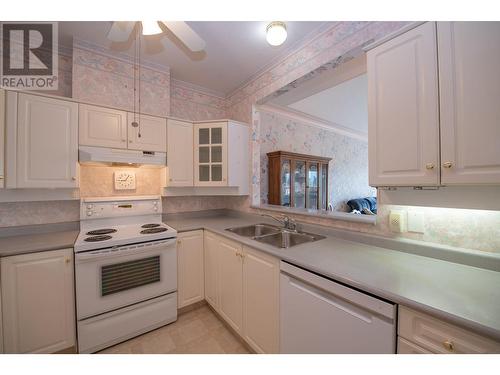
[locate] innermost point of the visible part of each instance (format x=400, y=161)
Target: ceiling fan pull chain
x=139, y=83
x=135, y=124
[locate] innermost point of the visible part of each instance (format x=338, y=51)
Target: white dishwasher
x=318, y=315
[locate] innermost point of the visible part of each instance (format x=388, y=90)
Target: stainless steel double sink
x=274, y=235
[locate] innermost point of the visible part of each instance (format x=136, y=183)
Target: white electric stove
x=125, y=270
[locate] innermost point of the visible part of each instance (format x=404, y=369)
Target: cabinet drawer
x=406, y=347
x=441, y=337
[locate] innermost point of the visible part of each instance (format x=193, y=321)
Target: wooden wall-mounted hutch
x=298, y=180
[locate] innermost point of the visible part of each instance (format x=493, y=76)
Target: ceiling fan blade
x=120, y=31
x=186, y=35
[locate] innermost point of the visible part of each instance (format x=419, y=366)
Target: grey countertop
x=36, y=238
x=462, y=294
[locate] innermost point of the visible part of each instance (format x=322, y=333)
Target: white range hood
x=110, y=156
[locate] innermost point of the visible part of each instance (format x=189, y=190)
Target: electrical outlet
x=397, y=221
x=416, y=221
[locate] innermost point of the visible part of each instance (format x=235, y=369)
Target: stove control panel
x=99, y=208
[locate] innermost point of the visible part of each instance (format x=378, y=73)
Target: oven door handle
x=123, y=250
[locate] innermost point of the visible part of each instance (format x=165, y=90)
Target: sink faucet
x=288, y=222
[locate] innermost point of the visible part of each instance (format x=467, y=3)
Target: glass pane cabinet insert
x=211, y=149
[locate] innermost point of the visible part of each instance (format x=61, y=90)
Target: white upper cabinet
x=469, y=80
x=403, y=129
x=210, y=154
x=221, y=155
x=149, y=135
x=107, y=127
x=103, y=127
x=179, y=153
x=44, y=147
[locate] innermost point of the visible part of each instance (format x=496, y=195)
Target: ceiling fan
x=120, y=32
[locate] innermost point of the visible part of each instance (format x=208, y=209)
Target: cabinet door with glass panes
x=210, y=154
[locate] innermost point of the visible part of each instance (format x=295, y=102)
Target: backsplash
x=469, y=229
x=98, y=181
x=199, y=203
x=348, y=169
x=30, y=213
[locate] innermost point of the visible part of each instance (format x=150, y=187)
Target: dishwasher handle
x=353, y=296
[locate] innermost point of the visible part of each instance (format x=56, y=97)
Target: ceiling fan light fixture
x=276, y=33
x=151, y=28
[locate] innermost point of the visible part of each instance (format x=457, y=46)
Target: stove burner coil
x=97, y=238
x=100, y=231
x=150, y=225
x=153, y=230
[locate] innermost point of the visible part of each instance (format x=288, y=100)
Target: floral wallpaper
x=195, y=103
x=107, y=80
x=348, y=169
x=339, y=40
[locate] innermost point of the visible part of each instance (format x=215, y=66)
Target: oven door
x=111, y=278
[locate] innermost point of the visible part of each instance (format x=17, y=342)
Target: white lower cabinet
x=261, y=300
x=1, y=332
x=210, y=245
x=231, y=283
x=419, y=332
x=38, y=302
x=242, y=285
x=407, y=347
x=190, y=283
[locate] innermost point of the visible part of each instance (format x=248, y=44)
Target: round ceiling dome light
x=276, y=33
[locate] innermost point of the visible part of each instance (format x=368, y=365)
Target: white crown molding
x=313, y=121
x=291, y=50
x=198, y=88
x=123, y=57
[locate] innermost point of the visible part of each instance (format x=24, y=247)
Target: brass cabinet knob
x=429, y=166
x=179, y=242
x=73, y=178
x=448, y=345
x=447, y=164
x=67, y=260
